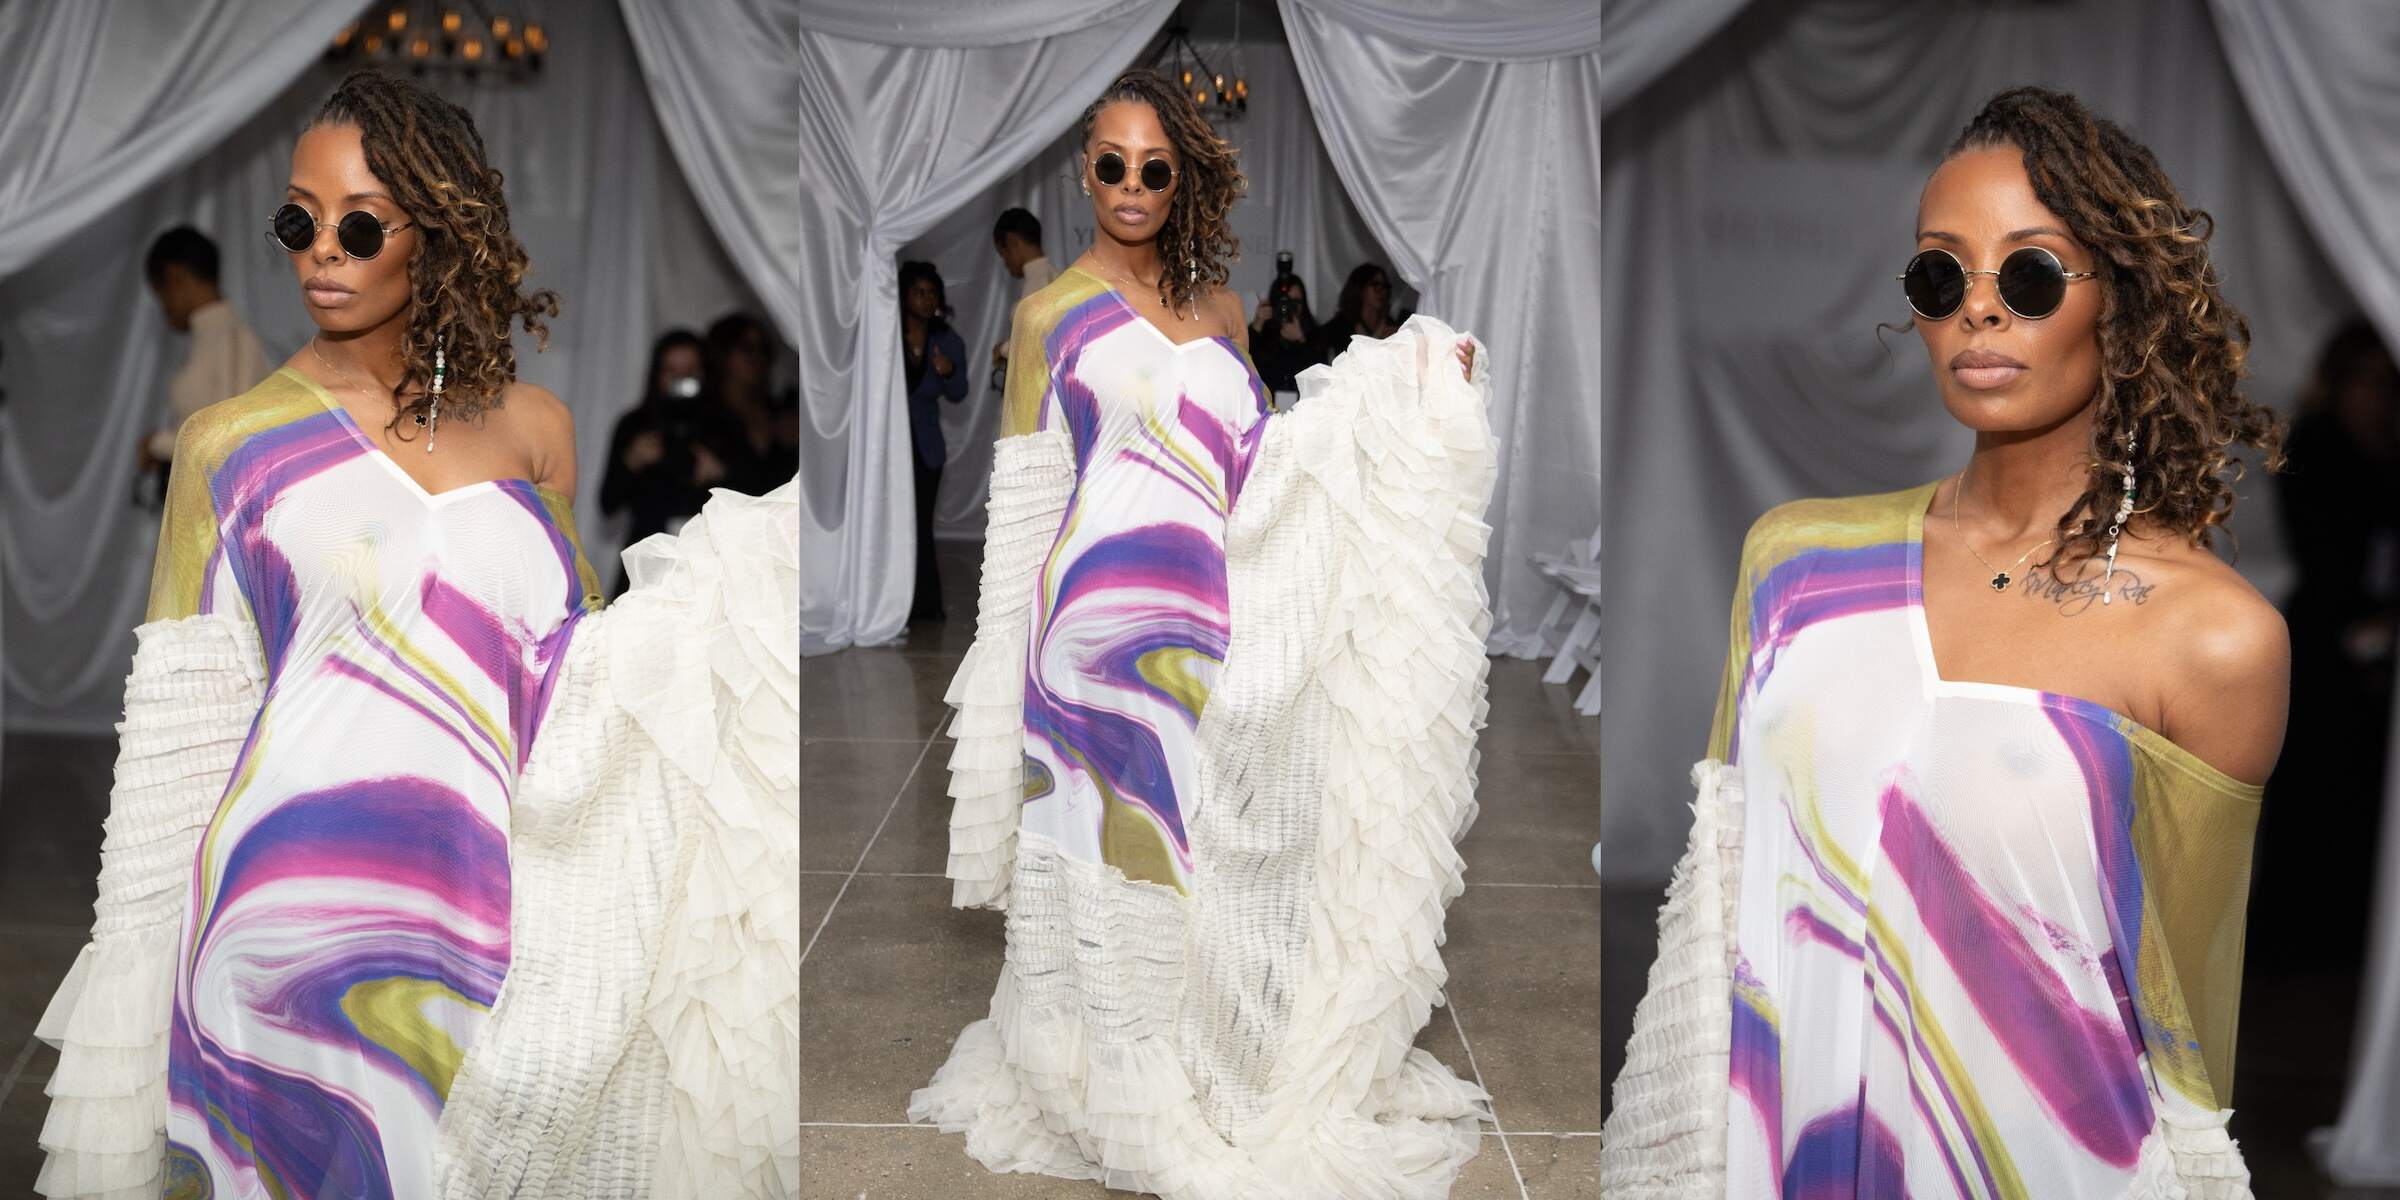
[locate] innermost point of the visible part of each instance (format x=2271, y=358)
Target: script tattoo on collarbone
x=2074, y=597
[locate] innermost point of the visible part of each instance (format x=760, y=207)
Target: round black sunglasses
x=361, y=233
x=2032, y=282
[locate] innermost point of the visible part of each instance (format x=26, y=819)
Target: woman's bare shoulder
x=2224, y=652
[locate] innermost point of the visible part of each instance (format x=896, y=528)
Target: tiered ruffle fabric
x=196, y=686
x=1032, y=475
x=645, y=1042
x=1253, y=1040
x=1665, y=1134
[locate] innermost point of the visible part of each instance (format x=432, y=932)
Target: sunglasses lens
x=2032, y=282
x=292, y=228
x=1109, y=169
x=1935, y=284
x=1156, y=174
x=361, y=235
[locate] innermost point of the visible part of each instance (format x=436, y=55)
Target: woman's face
x=1375, y=295
x=330, y=179
x=1999, y=372
x=924, y=300
x=2368, y=400
x=1128, y=211
x=746, y=362
x=681, y=361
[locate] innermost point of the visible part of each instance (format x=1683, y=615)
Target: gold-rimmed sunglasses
x=2032, y=282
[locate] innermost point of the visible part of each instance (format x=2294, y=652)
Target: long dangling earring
x=1193, y=277
x=433, y=404
x=2116, y=528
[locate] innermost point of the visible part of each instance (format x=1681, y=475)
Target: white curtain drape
x=722, y=76
x=100, y=99
x=1473, y=153
x=2323, y=84
x=1645, y=37
x=1758, y=200
x=1475, y=30
x=984, y=24
x=893, y=137
x=2363, y=1148
x=1295, y=203
x=594, y=193
x=2322, y=81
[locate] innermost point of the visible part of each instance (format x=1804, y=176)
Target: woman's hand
x=942, y=365
x=1263, y=314
x=1466, y=359
x=644, y=450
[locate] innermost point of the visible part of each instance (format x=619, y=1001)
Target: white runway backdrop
x=595, y=193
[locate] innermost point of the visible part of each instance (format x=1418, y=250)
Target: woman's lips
x=1131, y=214
x=325, y=293
x=1984, y=370
x=1984, y=379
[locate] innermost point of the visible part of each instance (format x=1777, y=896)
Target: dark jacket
x=664, y=491
x=925, y=385
x=1280, y=362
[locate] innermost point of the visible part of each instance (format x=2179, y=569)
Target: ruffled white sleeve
x=1665, y=1134
x=1032, y=476
x=646, y=1040
x=189, y=705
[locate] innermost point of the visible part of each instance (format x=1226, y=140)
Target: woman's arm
x=1029, y=402
x=2233, y=697
x=549, y=435
x=1229, y=302
x=953, y=387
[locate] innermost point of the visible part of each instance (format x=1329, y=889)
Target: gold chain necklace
x=2000, y=577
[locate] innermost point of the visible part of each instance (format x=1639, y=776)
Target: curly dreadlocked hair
x=1194, y=242
x=2171, y=349
x=465, y=273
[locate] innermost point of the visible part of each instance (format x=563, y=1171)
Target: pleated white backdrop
x=595, y=192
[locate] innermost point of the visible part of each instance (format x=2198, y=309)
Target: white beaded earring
x=2116, y=528
x=433, y=405
x=1192, y=275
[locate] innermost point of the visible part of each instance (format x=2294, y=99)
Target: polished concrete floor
x=53, y=796
x=891, y=973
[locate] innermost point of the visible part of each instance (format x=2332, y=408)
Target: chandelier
x=1219, y=96
x=461, y=36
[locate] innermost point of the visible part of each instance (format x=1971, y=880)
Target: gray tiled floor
x=53, y=796
x=892, y=973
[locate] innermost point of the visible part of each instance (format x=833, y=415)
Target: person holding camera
x=1363, y=310
x=668, y=451
x=1283, y=333
x=936, y=371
